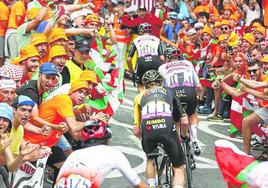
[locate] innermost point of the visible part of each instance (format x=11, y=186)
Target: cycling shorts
x=146, y=63
x=162, y=131
x=187, y=95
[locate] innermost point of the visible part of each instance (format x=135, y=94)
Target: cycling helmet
x=95, y=130
x=151, y=76
x=171, y=52
x=144, y=28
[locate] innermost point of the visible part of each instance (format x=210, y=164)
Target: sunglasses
x=225, y=28
x=253, y=71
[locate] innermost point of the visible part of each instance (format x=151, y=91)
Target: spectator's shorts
x=2, y=43
x=64, y=144
x=263, y=114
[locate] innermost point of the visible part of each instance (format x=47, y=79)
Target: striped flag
x=238, y=168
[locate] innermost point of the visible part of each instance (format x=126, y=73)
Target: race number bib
x=73, y=181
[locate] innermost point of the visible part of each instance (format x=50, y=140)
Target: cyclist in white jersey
x=149, y=51
x=182, y=78
x=88, y=167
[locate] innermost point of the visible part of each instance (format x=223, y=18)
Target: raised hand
x=45, y=130
x=4, y=142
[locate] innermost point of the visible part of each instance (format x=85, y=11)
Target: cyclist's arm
x=124, y=167
x=137, y=115
x=161, y=52
x=129, y=58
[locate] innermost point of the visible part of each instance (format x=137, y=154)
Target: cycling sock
x=151, y=182
x=193, y=132
x=178, y=186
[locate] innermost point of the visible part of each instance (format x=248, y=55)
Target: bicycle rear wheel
x=188, y=163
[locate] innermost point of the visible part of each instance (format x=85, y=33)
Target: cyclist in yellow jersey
x=156, y=110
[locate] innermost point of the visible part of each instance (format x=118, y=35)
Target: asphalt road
x=207, y=174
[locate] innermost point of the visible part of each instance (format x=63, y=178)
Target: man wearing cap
x=171, y=27
x=39, y=40
x=23, y=107
x=76, y=64
x=29, y=61
x=92, y=21
x=7, y=91
x=34, y=89
x=78, y=17
x=199, y=26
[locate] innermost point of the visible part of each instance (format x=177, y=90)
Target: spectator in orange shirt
x=3, y=27
x=16, y=18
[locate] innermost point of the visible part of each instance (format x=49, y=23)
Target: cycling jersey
x=93, y=165
x=179, y=73
x=182, y=78
x=155, y=111
x=148, y=49
x=146, y=45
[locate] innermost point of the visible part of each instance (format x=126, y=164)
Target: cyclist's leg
x=178, y=179
x=148, y=147
x=175, y=154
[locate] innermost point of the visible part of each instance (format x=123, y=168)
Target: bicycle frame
x=162, y=164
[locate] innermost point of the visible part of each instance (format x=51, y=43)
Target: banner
x=30, y=176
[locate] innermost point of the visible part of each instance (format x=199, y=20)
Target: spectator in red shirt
x=143, y=16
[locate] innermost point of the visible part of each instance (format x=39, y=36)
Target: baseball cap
x=56, y=50
x=198, y=25
x=83, y=12
x=28, y=51
x=89, y=75
x=68, y=1
x=82, y=44
x=78, y=84
x=38, y=38
x=7, y=84
x=6, y=111
x=22, y=100
x=191, y=32
x=172, y=15
x=48, y=68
